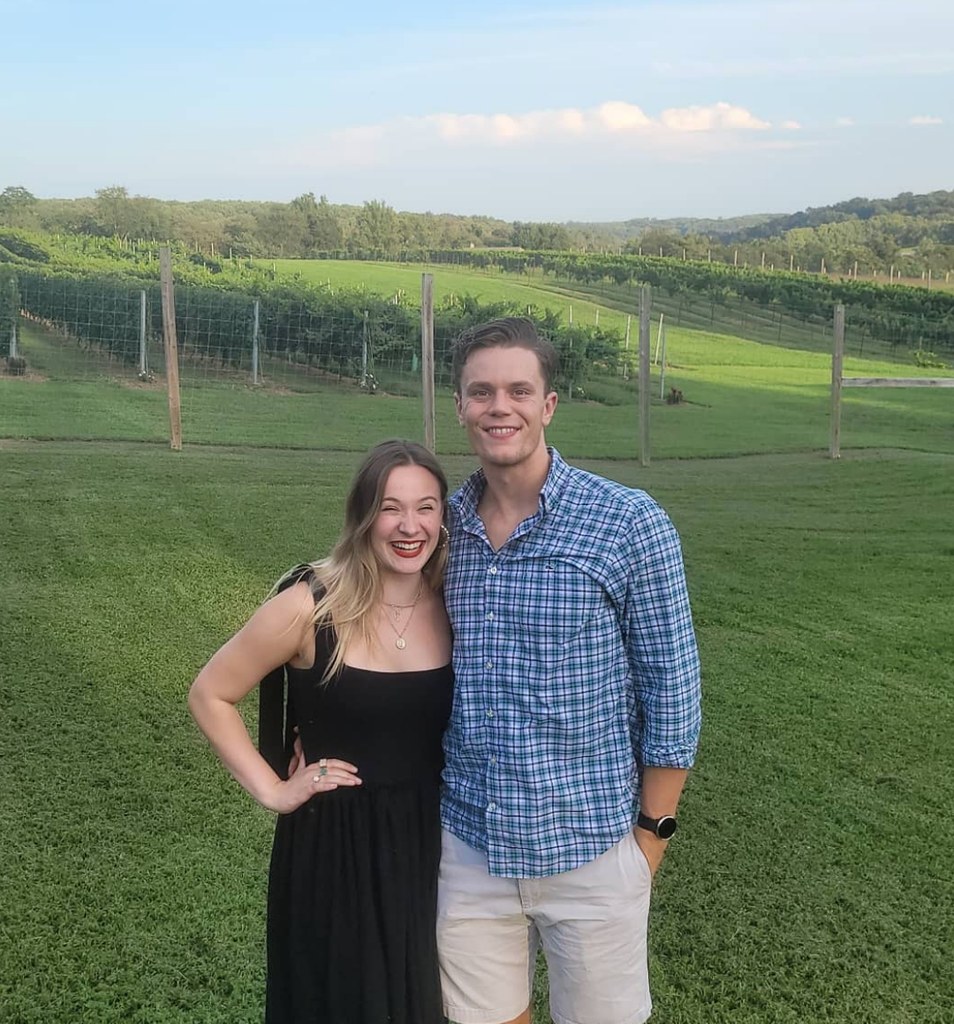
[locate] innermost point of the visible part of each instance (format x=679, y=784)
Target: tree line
x=910, y=235
x=299, y=229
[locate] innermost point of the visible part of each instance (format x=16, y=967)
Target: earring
x=445, y=538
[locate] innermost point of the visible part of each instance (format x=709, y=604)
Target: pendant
x=400, y=643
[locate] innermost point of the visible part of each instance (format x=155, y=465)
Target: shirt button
x=490, y=712
x=493, y=570
x=489, y=664
x=493, y=758
x=491, y=806
x=490, y=616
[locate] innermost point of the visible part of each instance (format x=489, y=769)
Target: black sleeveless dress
x=352, y=898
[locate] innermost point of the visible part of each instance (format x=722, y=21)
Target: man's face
x=504, y=405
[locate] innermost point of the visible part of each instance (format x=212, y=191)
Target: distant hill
x=714, y=227
x=932, y=206
x=909, y=234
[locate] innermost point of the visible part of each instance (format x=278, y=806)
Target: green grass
x=389, y=278
x=811, y=879
x=731, y=414
x=741, y=397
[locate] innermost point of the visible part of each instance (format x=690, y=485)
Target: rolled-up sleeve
x=666, y=713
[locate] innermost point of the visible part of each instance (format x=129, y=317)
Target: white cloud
x=617, y=116
x=791, y=126
x=613, y=119
x=718, y=117
x=495, y=127
x=920, y=119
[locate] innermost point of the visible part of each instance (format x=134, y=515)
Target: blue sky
x=527, y=110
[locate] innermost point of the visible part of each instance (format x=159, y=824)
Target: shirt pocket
x=563, y=623
x=556, y=599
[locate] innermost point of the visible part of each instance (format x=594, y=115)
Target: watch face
x=665, y=827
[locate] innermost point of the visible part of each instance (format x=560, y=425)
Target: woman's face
x=407, y=528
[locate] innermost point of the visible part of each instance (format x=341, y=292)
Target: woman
x=366, y=644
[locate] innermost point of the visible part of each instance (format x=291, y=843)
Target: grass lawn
x=389, y=278
x=742, y=397
x=811, y=879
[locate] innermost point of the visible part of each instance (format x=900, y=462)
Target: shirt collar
x=467, y=497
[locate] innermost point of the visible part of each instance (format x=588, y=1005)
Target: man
x=576, y=702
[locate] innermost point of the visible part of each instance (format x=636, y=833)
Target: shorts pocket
x=639, y=857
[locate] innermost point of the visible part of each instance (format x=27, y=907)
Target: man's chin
x=504, y=458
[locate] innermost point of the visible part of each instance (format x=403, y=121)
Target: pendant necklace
x=399, y=642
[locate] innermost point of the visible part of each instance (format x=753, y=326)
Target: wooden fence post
x=645, y=305
x=143, y=362
x=255, y=322
x=837, y=358
x=427, y=360
x=171, y=346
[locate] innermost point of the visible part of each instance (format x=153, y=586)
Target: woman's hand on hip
x=308, y=780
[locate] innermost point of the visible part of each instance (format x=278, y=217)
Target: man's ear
x=549, y=407
x=457, y=406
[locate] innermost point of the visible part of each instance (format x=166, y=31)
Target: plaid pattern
x=575, y=662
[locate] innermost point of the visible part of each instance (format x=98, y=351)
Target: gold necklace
x=400, y=643
x=396, y=609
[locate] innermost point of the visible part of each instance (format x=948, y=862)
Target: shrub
x=928, y=360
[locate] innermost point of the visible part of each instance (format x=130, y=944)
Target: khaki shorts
x=591, y=923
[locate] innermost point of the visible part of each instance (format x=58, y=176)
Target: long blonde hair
x=347, y=584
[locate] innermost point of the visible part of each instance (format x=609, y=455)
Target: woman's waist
x=415, y=796
x=387, y=764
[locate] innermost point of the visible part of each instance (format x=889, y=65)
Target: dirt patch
x=141, y=385
x=31, y=376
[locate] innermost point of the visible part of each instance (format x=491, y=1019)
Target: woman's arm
x=271, y=637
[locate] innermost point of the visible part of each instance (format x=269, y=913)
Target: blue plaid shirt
x=575, y=663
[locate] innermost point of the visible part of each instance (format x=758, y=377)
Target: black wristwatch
x=661, y=828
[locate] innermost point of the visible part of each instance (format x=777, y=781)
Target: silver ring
x=323, y=762
x=322, y=771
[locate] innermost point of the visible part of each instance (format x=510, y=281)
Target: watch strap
x=662, y=828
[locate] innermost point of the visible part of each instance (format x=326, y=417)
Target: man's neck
x=513, y=492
